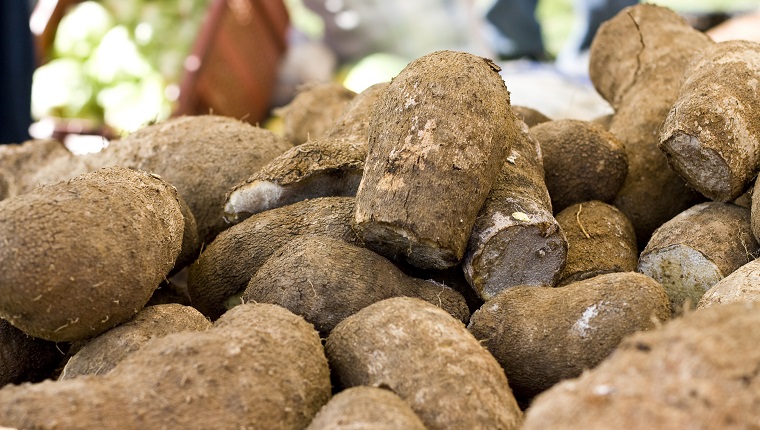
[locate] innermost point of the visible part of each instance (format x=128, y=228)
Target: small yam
x=529, y=116
x=313, y=111
x=742, y=285
x=696, y=249
x=366, y=408
x=437, y=139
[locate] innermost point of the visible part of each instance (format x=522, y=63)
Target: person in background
x=17, y=63
x=515, y=21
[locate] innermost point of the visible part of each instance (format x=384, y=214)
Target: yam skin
x=24, y=358
x=637, y=60
x=515, y=239
x=541, y=336
x=529, y=116
x=742, y=285
x=104, y=352
x=226, y=266
x=85, y=255
x=327, y=280
x=582, y=162
x=600, y=240
x=313, y=111
x=696, y=249
x=438, y=136
x=203, y=156
x=429, y=359
x=366, y=408
x=330, y=166
x=755, y=211
x=696, y=372
x=711, y=133
x=259, y=367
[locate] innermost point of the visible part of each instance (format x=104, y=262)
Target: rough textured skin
x=85, y=255
x=313, y=111
x=529, y=116
x=203, y=156
x=366, y=408
x=330, y=166
x=429, y=359
x=711, y=133
x=582, y=162
x=637, y=63
x=755, y=211
x=541, y=336
x=104, y=352
x=326, y=280
x=38, y=162
x=515, y=239
x=600, y=240
x=742, y=285
x=263, y=368
x=697, y=372
x=696, y=249
x=24, y=358
x=437, y=139
x=226, y=266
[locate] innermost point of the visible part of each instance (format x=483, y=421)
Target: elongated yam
x=438, y=137
x=529, y=116
x=742, y=285
x=515, y=239
x=696, y=249
x=85, y=255
x=24, y=358
x=260, y=366
x=699, y=371
x=329, y=166
x=366, y=408
x=600, y=240
x=104, y=352
x=541, y=336
x=313, y=111
x=326, y=280
x=711, y=133
x=429, y=359
x=226, y=266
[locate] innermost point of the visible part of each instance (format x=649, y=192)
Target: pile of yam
x=420, y=255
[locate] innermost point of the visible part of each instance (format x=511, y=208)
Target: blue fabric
x=16, y=69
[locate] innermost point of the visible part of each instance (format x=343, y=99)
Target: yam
x=85, y=255
x=313, y=111
x=600, y=239
x=710, y=135
x=429, y=359
x=259, y=367
x=529, y=116
x=226, y=266
x=366, y=408
x=696, y=249
x=541, y=336
x=101, y=354
x=637, y=60
x=582, y=162
x=330, y=166
x=515, y=239
x=742, y=285
x=327, y=280
x=697, y=372
x=437, y=138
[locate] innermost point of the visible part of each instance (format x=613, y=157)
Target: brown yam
x=699, y=372
x=366, y=408
x=429, y=359
x=696, y=249
x=101, y=354
x=313, y=111
x=582, y=162
x=260, y=366
x=226, y=265
x=516, y=240
x=85, y=255
x=711, y=133
x=742, y=285
x=437, y=139
x=600, y=240
x=637, y=61
x=529, y=116
x=329, y=166
x=327, y=280
x=541, y=336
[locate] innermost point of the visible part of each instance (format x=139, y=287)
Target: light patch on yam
x=584, y=322
x=252, y=198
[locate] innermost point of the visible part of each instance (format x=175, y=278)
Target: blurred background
x=108, y=67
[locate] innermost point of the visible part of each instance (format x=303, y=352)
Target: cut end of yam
x=703, y=168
